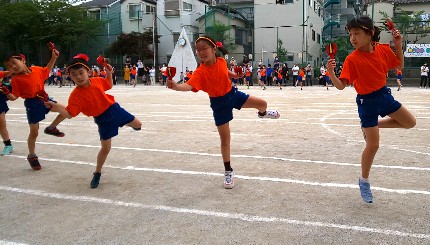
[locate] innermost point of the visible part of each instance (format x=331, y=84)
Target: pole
x=373, y=8
x=303, y=27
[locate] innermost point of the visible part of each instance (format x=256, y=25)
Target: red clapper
x=238, y=70
x=51, y=45
x=331, y=50
x=390, y=25
x=102, y=61
x=171, y=72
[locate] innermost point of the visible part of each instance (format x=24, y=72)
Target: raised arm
x=338, y=83
x=398, y=44
x=54, y=57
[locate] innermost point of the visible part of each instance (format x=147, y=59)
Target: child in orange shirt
x=4, y=96
x=213, y=77
x=28, y=83
x=133, y=76
x=367, y=67
x=262, y=77
x=399, y=78
x=301, y=77
x=89, y=97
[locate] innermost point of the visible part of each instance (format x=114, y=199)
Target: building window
x=310, y=2
x=288, y=1
x=176, y=37
x=171, y=8
x=149, y=9
x=187, y=6
x=318, y=38
x=239, y=36
x=94, y=14
x=313, y=35
x=134, y=11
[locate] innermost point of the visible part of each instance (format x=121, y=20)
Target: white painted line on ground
x=10, y=243
x=237, y=216
x=234, y=155
x=271, y=179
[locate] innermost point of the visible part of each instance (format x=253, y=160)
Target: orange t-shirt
x=95, y=74
x=368, y=71
x=27, y=86
x=212, y=79
x=133, y=71
x=102, y=73
x=189, y=74
x=92, y=100
x=263, y=72
x=248, y=73
x=399, y=72
x=302, y=74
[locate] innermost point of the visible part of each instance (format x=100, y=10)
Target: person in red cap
x=29, y=84
x=89, y=97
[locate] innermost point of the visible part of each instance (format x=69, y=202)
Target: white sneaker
x=272, y=114
x=229, y=179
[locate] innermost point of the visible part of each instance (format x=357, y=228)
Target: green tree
x=220, y=32
x=28, y=25
x=281, y=51
x=133, y=44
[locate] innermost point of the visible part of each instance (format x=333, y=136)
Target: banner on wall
x=417, y=50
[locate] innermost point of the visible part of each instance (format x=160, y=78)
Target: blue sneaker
x=96, y=180
x=7, y=150
x=365, y=191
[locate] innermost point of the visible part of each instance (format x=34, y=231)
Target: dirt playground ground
x=296, y=177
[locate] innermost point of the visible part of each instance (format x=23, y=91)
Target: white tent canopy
x=183, y=56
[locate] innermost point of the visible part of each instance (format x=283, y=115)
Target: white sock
x=366, y=180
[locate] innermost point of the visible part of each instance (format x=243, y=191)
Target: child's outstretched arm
x=54, y=57
x=178, y=87
x=109, y=73
x=234, y=75
x=56, y=107
x=338, y=83
x=397, y=40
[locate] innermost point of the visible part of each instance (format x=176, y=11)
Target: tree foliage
x=220, y=32
x=281, y=51
x=28, y=25
x=133, y=44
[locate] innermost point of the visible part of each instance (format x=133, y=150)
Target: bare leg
x=3, y=129
x=224, y=134
x=103, y=153
x=32, y=136
x=402, y=118
x=135, y=124
x=255, y=102
x=372, y=145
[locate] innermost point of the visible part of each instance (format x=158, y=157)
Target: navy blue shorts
x=3, y=107
x=263, y=78
x=234, y=80
x=132, y=76
x=378, y=103
x=222, y=106
x=326, y=79
x=248, y=79
x=111, y=119
x=399, y=77
x=36, y=110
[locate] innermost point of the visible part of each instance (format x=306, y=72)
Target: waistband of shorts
x=377, y=92
x=232, y=91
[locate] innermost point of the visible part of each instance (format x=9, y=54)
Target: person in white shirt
x=152, y=75
x=424, y=75
x=295, y=71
